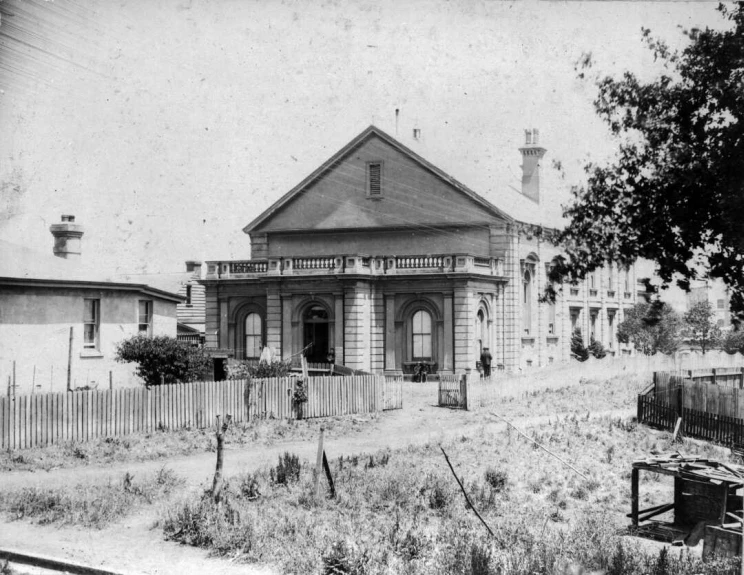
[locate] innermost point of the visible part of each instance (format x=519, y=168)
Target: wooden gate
x=392, y=396
x=453, y=391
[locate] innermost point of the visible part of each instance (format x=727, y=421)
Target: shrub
x=261, y=370
x=596, y=349
x=287, y=471
x=163, y=359
x=497, y=479
x=578, y=350
x=344, y=559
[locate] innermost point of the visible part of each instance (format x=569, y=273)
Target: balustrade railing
x=313, y=263
x=249, y=267
x=413, y=262
x=355, y=264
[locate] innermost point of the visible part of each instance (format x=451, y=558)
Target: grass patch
x=166, y=444
x=408, y=515
x=92, y=506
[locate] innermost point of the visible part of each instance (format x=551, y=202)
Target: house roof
x=694, y=468
x=512, y=204
x=372, y=131
x=20, y=265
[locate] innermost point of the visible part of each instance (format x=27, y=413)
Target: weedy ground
x=402, y=511
x=89, y=505
x=166, y=444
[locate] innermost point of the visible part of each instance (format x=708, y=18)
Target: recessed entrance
x=315, y=334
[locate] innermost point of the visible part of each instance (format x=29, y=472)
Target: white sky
x=167, y=126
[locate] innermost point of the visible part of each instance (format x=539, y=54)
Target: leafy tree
x=675, y=192
x=163, y=356
x=733, y=342
x=596, y=349
x=701, y=329
x=578, y=350
x=651, y=327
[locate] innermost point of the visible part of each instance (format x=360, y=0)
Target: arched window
x=527, y=302
x=421, y=335
x=253, y=333
x=480, y=331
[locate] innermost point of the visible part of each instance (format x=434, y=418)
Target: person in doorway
x=486, y=358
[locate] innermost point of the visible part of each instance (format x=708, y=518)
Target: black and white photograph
x=371, y=287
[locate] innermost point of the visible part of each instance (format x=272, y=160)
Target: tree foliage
x=258, y=370
x=733, y=341
x=596, y=349
x=701, y=329
x=578, y=349
x=675, y=191
x=651, y=328
x=163, y=356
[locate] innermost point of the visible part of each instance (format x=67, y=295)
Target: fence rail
x=44, y=419
x=699, y=424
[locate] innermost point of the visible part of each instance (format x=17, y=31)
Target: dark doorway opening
x=316, y=338
x=220, y=369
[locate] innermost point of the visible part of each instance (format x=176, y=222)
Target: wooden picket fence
x=45, y=419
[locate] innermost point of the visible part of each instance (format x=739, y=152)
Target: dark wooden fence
x=709, y=402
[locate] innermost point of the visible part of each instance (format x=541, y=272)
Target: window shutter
x=375, y=179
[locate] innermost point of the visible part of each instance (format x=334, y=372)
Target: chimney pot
x=532, y=154
x=67, y=237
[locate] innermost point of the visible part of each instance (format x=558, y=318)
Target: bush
x=596, y=349
x=287, y=471
x=578, y=350
x=163, y=359
x=496, y=479
x=262, y=370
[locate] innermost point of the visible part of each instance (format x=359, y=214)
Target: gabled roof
x=370, y=132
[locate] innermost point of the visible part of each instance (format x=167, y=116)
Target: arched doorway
x=315, y=334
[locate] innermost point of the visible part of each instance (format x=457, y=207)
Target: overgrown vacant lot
x=567, y=397
x=402, y=511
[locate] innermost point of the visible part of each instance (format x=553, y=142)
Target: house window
x=91, y=323
x=527, y=302
x=145, y=317
x=421, y=335
x=374, y=179
x=551, y=319
x=253, y=332
x=188, y=294
x=627, y=280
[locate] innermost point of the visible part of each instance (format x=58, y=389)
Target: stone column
x=286, y=338
x=449, y=332
x=224, y=329
x=274, y=319
x=338, y=342
x=464, y=317
x=357, y=326
x=390, y=363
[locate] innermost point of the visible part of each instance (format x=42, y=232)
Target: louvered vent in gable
x=374, y=179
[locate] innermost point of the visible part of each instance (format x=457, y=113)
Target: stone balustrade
x=355, y=264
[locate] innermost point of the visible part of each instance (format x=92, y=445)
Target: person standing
x=485, y=359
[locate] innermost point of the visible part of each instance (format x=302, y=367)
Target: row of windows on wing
x=92, y=320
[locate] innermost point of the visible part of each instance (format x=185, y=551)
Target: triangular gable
x=415, y=193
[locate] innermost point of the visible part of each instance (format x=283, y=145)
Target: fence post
x=464, y=391
x=639, y=407
x=714, y=376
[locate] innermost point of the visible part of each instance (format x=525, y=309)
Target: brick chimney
x=195, y=267
x=532, y=154
x=67, y=238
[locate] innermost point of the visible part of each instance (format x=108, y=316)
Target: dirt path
x=134, y=546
